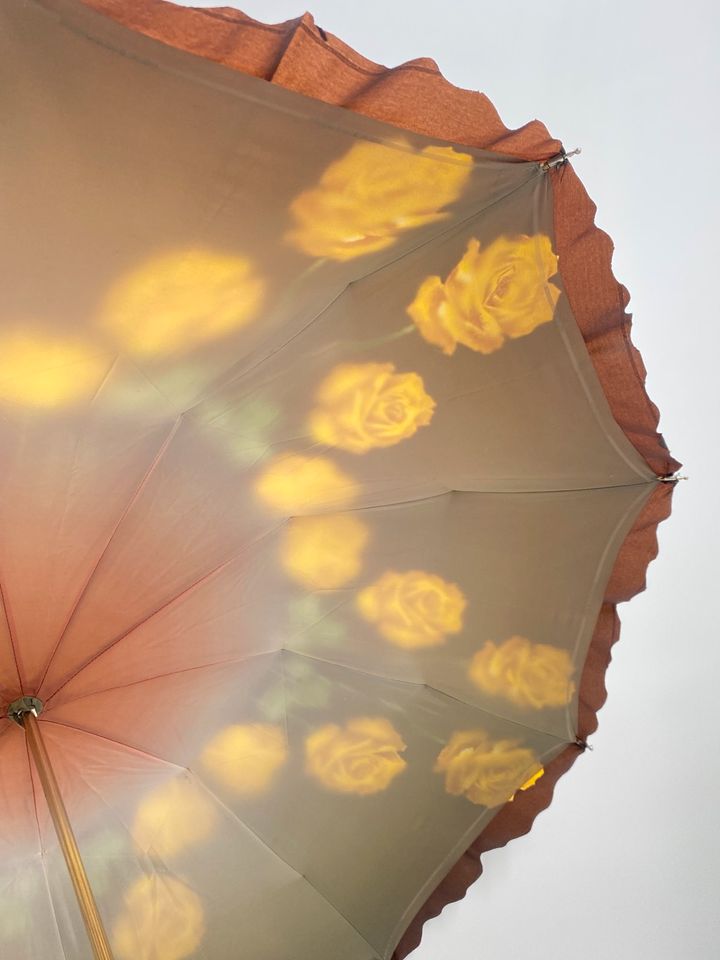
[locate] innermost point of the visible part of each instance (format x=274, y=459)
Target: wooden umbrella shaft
x=86, y=900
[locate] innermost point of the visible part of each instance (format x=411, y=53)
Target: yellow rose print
x=530, y=782
x=527, y=674
x=493, y=294
x=246, y=757
x=43, y=371
x=293, y=483
x=173, y=817
x=373, y=193
x=162, y=919
x=361, y=758
x=362, y=406
x=324, y=553
x=413, y=609
x=485, y=772
x=176, y=301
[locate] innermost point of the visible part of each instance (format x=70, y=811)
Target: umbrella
x=326, y=458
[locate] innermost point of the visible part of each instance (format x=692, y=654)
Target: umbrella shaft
x=86, y=900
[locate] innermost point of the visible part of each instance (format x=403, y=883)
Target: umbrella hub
x=22, y=706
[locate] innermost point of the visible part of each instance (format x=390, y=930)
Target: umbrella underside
x=309, y=502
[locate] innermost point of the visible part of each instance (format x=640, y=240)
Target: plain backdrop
x=624, y=864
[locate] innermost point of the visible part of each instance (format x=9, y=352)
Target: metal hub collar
x=18, y=708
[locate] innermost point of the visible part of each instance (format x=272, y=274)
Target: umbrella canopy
x=312, y=490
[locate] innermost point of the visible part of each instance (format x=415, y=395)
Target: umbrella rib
x=423, y=683
x=536, y=174
x=11, y=633
x=614, y=441
x=613, y=543
x=133, y=498
x=198, y=779
x=167, y=603
x=72, y=471
x=119, y=743
x=232, y=376
x=161, y=676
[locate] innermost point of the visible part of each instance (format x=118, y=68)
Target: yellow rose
x=530, y=782
x=413, y=609
x=292, y=483
x=528, y=674
x=486, y=773
x=363, y=757
x=38, y=370
x=246, y=757
x=324, y=553
x=366, y=405
x=491, y=295
x=173, y=817
x=372, y=194
x=162, y=920
x=178, y=300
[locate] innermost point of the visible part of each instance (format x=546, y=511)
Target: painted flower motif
x=485, y=772
x=176, y=301
x=413, y=609
x=372, y=194
x=530, y=782
x=362, y=406
x=493, y=294
x=361, y=758
x=527, y=674
x=325, y=552
x=175, y=816
x=43, y=371
x=246, y=757
x=162, y=919
x=293, y=483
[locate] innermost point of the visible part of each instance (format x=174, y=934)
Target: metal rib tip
x=560, y=159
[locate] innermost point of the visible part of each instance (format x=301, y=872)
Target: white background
x=624, y=864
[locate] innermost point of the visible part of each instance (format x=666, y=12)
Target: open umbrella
x=325, y=459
